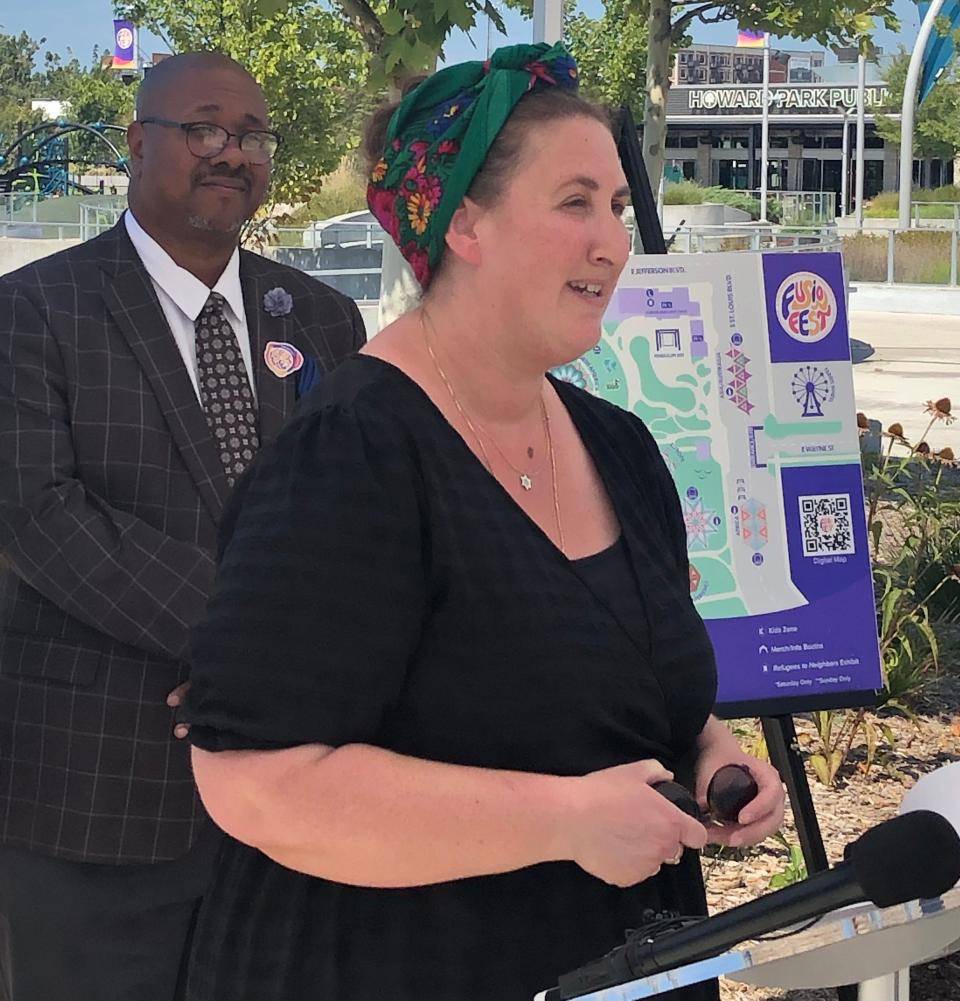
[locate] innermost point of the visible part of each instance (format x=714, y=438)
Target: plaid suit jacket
x=111, y=489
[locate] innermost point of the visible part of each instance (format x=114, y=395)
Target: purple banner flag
x=124, y=45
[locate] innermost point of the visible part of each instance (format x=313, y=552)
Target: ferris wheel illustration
x=812, y=388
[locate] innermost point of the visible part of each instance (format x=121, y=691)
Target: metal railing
x=43, y=231
x=97, y=218
x=926, y=254
x=14, y=204
x=800, y=208
x=752, y=236
x=919, y=220
x=337, y=234
x=900, y=258
x=26, y=215
x=929, y=253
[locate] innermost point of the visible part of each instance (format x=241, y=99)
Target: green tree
x=937, y=127
x=308, y=59
x=16, y=79
x=611, y=53
x=93, y=95
x=403, y=37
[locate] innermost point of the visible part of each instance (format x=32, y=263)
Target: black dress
x=378, y=585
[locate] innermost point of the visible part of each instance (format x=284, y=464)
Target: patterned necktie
x=225, y=389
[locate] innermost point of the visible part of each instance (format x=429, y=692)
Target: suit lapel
x=132, y=302
x=276, y=395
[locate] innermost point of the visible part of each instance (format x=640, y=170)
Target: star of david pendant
x=526, y=482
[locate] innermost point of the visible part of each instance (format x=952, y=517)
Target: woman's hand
x=622, y=831
x=763, y=815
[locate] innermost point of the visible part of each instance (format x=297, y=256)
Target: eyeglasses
x=206, y=140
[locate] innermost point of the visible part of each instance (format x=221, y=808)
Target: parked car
x=353, y=229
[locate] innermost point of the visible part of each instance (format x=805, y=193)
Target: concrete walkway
x=917, y=359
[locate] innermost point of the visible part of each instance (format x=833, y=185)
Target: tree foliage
x=403, y=37
x=308, y=59
x=937, y=126
x=16, y=85
x=94, y=94
x=91, y=95
x=611, y=53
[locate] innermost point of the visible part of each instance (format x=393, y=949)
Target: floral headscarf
x=439, y=137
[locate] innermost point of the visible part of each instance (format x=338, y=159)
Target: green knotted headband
x=439, y=137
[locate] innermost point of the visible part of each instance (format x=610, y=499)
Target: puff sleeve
x=320, y=593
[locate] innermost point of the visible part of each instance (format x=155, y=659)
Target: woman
x=452, y=645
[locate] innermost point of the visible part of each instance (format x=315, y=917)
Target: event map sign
x=740, y=366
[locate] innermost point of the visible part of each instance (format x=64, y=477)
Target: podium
x=856, y=944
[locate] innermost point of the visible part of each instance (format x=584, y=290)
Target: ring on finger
x=675, y=860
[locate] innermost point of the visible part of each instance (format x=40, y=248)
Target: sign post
x=765, y=128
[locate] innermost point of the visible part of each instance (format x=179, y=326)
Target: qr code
x=826, y=524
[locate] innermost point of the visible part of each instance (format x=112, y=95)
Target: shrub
x=886, y=205
x=920, y=257
x=684, y=193
x=345, y=190
x=914, y=531
x=691, y=193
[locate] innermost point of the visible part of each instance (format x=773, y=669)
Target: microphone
x=916, y=855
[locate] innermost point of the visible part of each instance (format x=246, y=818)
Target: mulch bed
x=859, y=801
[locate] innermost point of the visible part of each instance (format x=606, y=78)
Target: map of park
x=692, y=359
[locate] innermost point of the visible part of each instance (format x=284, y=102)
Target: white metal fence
x=926, y=254
x=29, y=216
x=799, y=208
x=929, y=253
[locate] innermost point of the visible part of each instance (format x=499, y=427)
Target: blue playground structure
x=39, y=160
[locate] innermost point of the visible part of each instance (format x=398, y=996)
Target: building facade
x=719, y=64
x=713, y=131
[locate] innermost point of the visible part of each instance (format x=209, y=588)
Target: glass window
x=778, y=142
x=811, y=175
x=934, y=180
x=833, y=142
x=872, y=178
x=813, y=142
x=730, y=142
x=872, y=142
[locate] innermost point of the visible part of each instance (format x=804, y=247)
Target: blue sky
x=81, y=24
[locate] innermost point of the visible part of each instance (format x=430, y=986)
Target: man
x=139, y=373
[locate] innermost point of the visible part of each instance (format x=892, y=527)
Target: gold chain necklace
x=524, y=476
x=525, y=479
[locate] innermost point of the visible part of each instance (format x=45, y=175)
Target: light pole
x=765, y=127
x=861, y=133
x=908, y=113
x=547, y=21
x=845, y=167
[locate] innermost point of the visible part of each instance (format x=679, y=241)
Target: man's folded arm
x=105, y=567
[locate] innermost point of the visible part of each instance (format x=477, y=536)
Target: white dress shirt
x=182, y=298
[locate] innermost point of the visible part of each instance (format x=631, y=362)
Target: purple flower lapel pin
x=278, y=302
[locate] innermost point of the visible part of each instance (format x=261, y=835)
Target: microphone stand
x=781, y=737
